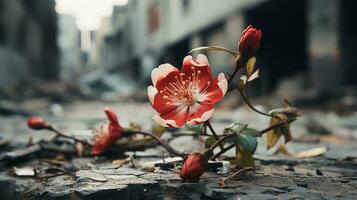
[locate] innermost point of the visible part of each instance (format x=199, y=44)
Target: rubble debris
x=24, y=171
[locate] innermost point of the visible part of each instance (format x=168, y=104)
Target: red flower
x=37, y=123
x=106, y=135
x=188, y=95
x=250, y=41
x=193, y=167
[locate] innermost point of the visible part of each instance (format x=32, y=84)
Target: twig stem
x=60, y=134
x=213, y=133
x=162, y=143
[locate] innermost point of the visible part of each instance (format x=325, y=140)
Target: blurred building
x=313, y=40
x=69, y=42
x=28, y=47
x=143, y=34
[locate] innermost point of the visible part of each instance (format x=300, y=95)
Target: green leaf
x=196, y=129
x=235, y=54
x=235, y=128
x=246, y=146
x=247, y=143
x=253, y=132
x=246, y=159
x=210, y=141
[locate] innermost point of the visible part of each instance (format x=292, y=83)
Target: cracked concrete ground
x=332, y=176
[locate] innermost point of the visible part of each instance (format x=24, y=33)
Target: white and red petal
x=196, y=71
x=199, y=113
x=162, y=105
x=215, y=92
x=200, y=61
x=222, y=83
x=152, y=91
x=163, y=122
x=161, y=72
x=171, y=77
x=174, y=118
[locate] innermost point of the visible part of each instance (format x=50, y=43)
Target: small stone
x=319, y=172
x=165, y=166
x=302, y=184
x=308, y=174
x=291, y=169
x=86, y=175
x=344, y=180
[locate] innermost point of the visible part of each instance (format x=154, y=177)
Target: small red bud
x=193, y=167
x=37, y=123
x=249, y=41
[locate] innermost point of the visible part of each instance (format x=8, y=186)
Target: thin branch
x=275, y=126
x=239, y=172
x=162, y=143
x=240, y=63
x=224, y=150
x=221, y=140
x=67, y=136
x=213, y=133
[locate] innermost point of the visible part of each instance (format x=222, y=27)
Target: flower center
x=184, y=90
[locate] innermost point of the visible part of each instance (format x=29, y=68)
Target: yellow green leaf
x=210, y=141
x=243, y=158
x=250, y=66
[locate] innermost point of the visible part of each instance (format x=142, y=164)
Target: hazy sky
x=88, y=13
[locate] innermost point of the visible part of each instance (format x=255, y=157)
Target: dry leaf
x=79, y=148
x=274, y=135
x=121, y=162
x=250, y=66
x=311, y=152
x=25, y=171
x=302, y=154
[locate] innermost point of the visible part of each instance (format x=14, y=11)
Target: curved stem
x=60, y=134
x=162, y=143
x=240, y=63
x=239, y=172
x=235, y=54
x=246, y=100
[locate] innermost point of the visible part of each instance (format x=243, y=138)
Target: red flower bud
x=250, y=41
x=193, y=167
x=106, y=135
x=37, y=123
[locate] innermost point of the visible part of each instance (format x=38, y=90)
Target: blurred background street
x=55, y=54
